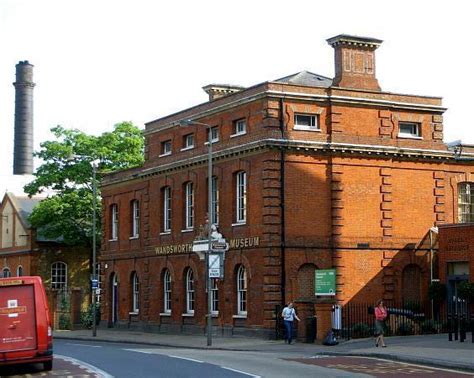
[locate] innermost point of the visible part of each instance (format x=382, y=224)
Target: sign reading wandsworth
x=325, y=282
x=172, y=249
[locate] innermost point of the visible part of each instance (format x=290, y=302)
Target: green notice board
x=325, y=281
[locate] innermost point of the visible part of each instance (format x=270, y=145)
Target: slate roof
x=306, y=78
x=24, y=206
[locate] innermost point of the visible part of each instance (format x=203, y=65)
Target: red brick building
x=309, y=173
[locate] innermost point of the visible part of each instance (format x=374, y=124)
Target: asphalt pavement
x=432, y=350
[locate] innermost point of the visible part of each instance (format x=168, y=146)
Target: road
x=105, y=360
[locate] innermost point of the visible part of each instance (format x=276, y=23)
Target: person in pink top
x=380, y=316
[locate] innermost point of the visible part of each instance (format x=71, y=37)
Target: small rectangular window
x=240, y=127
x=214, y=134
x=409, y=129
x=165, y=148
x=306, y=122
x=188, y=141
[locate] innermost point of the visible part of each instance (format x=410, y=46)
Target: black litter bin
x=310, y=329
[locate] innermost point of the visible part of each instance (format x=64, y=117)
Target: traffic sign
x=214, y=266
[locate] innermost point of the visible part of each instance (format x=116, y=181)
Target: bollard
x=450, y=328
x=456, y=326
x=462, y=330
x=472, y=328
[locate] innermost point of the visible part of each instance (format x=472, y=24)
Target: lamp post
x=94, y=268
x=187, y=122
x=94, y=279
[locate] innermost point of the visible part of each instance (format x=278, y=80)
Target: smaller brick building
x=24, y=251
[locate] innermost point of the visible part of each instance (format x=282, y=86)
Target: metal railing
x=405, y=318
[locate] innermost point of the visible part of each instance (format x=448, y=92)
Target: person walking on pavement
x=289, y=315
x=380, y=317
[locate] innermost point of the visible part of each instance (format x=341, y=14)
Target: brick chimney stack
x=355, y=61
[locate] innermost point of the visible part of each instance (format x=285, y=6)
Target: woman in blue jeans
x=289, y=315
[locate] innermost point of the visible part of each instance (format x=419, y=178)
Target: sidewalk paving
x=432, y=350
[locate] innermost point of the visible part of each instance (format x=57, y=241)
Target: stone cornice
x=349, y=149
x=200, y=113
x=334, y=99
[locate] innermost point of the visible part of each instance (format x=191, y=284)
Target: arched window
x=411, y=283
x=6, y=273
x=135, y=292
x=19, y=271
x=306, y=281
x=58, y=276
x=466, y=202
x=190, y=292
x=167, y=292
x=242, y=291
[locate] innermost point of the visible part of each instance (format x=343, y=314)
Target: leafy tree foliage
x=67, y=172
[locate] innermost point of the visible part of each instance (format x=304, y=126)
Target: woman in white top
x=289, y=315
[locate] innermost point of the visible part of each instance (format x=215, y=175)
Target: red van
x=25, y=328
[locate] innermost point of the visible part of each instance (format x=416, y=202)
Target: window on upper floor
x=215, y=201
x=409, y=130
x=240, y=197
x=239, y=127
x=19, y=271
x=306, y=122
x=214, y=134
x=466, y=202
x=135, y=215
x=188, y=142
x=166, y=206
x=189, y=206
x=165, y=148
x=114, y=221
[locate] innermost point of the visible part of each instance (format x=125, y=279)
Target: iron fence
x=357, y=320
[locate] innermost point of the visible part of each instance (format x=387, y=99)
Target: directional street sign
x=219, y=246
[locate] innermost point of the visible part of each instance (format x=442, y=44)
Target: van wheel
x=48, y=365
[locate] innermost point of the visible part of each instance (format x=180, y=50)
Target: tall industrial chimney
x=23, y=152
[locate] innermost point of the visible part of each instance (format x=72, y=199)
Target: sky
x=101, y=62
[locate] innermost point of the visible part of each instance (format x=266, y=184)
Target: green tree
x=67, y=173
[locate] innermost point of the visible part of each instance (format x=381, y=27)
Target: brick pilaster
x=271, y=214
x=439, y=196
x=386, y=222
